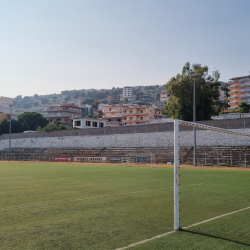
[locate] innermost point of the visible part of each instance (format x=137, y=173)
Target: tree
x=44, y=101
x=244, y=107
x=33, y=120
x=16, y=127
x=95, y=105
x=56, y=125
x=180, y=105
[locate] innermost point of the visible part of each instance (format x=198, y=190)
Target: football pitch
x=111, y=206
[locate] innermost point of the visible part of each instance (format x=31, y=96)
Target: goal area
x=177, y=141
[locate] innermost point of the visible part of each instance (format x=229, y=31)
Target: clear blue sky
x=51, y=45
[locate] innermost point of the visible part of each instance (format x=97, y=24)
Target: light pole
x=194, y=118
x=11, y=105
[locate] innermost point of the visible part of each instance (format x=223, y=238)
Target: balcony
x=232, y=108
x=116, y=115
x=233, y=97
x=244, y=79
x=233, y=102
x=231, y=87
x=235, y=91
x=114, y=110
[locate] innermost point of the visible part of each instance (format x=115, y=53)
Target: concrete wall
x=154, y=139
x=133, y=129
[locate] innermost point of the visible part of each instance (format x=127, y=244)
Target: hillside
x=40, y=103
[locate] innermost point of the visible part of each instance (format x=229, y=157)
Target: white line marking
x=88, y=198
x=170, y=232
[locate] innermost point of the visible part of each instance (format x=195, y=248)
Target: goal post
x=177, y=124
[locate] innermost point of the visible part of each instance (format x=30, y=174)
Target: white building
x=164, y=97
x=127, y=92
x=223, y=96
x=7, y=106
x=84, y=123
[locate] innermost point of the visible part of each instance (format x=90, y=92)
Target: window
x=131, y=112
x=94, y=124
x=124, y=118
x=119, y=120
x=101, y=124
x=141, y=118
x=77, y=123
x=110, y=109
x=130, y=118
x=88, y=123
x=141, y=111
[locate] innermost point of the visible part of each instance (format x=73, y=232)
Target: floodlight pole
x=176, y=176
x=194, y=119
x=10, y=132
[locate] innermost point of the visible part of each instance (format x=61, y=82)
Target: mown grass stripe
x=94, y=197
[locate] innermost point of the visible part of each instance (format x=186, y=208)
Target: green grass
x=46, y=206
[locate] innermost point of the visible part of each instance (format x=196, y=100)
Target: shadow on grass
x=215, y=237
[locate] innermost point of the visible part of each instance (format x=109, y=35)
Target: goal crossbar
x=177, y=161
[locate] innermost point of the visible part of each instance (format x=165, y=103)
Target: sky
x=47, y=46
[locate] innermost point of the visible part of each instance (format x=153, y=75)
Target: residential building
x=87, y=110
x=164, y=97
x=64, y=113
x=84, y=123
x=239, y=91
x=7, y=106
x=113, y=99
x=131, y=114
x=113, y=115
x=127, y=92
x=223, y=95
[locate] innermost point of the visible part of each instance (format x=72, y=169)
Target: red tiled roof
x=239, y=77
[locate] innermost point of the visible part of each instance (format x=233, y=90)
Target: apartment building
x=131, y=115
x=239, y=91
x=127, y=92
x=64, y=113
x=113, y=99
x=113, y=115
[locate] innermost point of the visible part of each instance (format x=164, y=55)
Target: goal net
x=232, y=138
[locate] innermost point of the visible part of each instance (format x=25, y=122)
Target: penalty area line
x=173, y=231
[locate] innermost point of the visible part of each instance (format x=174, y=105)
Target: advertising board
x=58, y=158
x=115, y=159
x=140, y=159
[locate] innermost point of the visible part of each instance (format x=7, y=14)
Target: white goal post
x=177, y=124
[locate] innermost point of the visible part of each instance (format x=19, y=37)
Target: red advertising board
x=62, y=158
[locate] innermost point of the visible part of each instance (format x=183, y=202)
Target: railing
x=231, y=87
x=233, y=102
x=233, y=97
x=64, y=115
x=232, y=92
x=114, y=110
